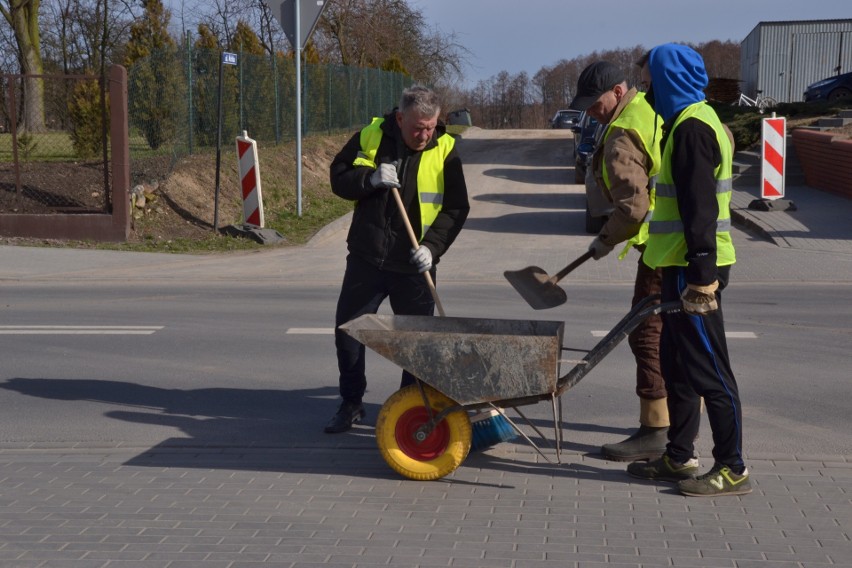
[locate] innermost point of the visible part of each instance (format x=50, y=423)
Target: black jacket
x=377, y=233
x=695, y=155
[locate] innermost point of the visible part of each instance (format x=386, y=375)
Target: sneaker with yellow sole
x=664, y=468
x=720, y=480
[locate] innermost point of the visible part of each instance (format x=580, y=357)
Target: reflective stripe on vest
x=430, y=172
x=666, y=245
x=640, y=118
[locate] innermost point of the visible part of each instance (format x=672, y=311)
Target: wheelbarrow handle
x=642, y=310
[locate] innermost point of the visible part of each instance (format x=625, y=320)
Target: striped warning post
x=774, y=152
x=250, y=180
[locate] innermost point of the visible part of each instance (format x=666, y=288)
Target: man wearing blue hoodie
x=690, y=239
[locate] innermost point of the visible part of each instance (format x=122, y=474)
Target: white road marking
x=740, y=335
x=310, y=331
x=79, y=329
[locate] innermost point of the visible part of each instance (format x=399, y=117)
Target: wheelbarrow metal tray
x=470, y=360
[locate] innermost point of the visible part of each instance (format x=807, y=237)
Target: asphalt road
x=236, y=350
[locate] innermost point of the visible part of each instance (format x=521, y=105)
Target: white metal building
x=782, y=58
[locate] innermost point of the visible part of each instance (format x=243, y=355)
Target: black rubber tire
x=767, y=103
x=837, y=94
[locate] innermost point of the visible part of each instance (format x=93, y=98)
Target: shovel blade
x=536, y=287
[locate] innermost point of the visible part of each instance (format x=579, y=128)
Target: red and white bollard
x=250, y=180
x=773, y=157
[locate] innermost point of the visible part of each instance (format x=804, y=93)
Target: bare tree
x=270, y=34
x=8, y=51
x=496, y=102
x=722, y=59
x=22, y=16
x=84, y=34
x=373, y=33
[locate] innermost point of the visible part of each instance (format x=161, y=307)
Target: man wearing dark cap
x=624, y=165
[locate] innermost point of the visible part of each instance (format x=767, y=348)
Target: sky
x=526, y=35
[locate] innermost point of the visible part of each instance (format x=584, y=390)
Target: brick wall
x=826, y=160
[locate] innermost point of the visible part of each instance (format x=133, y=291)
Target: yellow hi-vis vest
x=639, y=117
x=430, y=172
x=666, y=245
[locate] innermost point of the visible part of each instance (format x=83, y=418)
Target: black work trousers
x=364, y=288
x=695, y=364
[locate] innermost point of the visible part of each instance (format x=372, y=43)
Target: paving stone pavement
x=507, y=507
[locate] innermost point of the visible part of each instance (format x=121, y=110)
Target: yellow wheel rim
x=436, y=456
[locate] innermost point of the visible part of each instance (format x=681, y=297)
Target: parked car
x=831, y=89
x=564, y=118
x=587, y=135
x=459, y=117
x=584, y=144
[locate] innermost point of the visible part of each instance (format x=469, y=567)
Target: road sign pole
x=297, y=18
x=218, y=148
x=298, y=33
x=230, y=59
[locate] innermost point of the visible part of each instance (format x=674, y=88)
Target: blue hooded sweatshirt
x=678, y=78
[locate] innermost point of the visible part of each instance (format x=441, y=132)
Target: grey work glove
x=421, y=257
x=700, y=300
x=384, y=177
x=599, y=249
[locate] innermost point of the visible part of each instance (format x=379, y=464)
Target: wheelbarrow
x=465, y=364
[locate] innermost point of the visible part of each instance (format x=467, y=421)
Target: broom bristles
x=489, y=429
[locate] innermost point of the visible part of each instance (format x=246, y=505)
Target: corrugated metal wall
x=782, y=58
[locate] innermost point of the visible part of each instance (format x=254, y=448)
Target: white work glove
x=421, y=257
x=700, y=300
x=384, y=177
x=599, y=249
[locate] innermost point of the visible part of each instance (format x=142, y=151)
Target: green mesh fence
x=58, y=165
x=173, y=102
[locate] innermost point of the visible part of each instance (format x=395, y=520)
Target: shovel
x=537, y=288
x=415, y=243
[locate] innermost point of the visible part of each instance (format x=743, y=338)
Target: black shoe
x=347, y=415
x=646, y=444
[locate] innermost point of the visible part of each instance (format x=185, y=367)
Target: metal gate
x=64, y=170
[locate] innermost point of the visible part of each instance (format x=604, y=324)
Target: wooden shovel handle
x=564, y=272
x=415, y=243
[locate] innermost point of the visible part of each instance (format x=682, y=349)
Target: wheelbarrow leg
x=523, y=435
x=556, y=424
x=561, y=421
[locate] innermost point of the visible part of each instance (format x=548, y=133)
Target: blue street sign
x=229, y=58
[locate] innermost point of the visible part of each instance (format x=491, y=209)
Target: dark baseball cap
x=595, y=80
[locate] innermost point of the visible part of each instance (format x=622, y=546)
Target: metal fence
x=65, y=164
x=61, y=167
x=173, y=100
x=55, y=161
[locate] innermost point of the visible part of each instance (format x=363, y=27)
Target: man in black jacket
x=406, y=149
x=690, y=240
